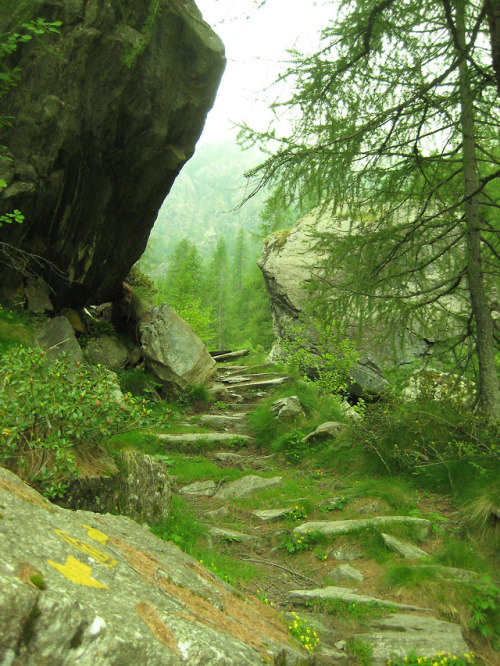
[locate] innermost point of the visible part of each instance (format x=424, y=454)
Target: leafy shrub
x=485, y=608
x=320, y=351
x=441, y=442
x=138, y=382
x=50, y=409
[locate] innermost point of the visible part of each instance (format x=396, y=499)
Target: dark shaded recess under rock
x=95, y=145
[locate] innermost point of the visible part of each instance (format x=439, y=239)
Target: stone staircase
x=253, y=519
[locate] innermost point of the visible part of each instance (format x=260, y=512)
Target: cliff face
x=95, y=144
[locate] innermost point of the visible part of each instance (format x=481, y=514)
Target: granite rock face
x=98, y=136
x=289, y=259
x=81, y=588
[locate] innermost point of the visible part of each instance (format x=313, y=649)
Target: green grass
x=183, y=530
x=16, y=327
x=398, y=493
x=460, y=554
x=406, y=575
x=270, y=432
x=189, y=469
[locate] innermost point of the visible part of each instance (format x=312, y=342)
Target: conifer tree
x=395, y=127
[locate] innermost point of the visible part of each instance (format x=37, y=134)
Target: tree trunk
x=493, y=12
x=489, y=387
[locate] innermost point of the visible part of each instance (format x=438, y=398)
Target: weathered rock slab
x=93, y=589
x=422, y=526
x=333, y=593
x=208, y=437
x=232, y=535
x=403, y=548
x=247, y=486
x=398, y=634
x=271, y=515
x=199, y=489
x=172, y=350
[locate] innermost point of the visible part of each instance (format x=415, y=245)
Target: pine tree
x=182, y=288
x=217, y=288
x=395, y=126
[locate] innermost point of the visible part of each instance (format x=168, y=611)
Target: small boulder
x=287, y=408
x=74, y=319
x=57, y=336
x=346, y=573
x=108, y=351
x=37, y=294
x=172, y=350
x=328, y=430
x=346, y=553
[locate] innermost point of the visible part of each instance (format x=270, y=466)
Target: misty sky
x=256, y=42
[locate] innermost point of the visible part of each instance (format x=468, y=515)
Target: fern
x=146, y=33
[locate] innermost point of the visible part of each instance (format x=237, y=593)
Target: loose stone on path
x=403, y=548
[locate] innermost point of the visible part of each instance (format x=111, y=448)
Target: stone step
x=333, y=593
x=272, y=515
x=223, y=534
x=219, y=358
x=247, y=485
x=403, y=548
x=228, y=370
x=222, y=421
x=422, y=526
x=264, y=383
x=250, y=377
x=208, y=437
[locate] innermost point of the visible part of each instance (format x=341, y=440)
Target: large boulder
x=104, y=116
x=172, y=350
x=82, y=588
x=288, y=261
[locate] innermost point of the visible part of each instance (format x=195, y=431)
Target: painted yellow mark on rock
x=96, y=534
x=77, y=572
x=88, y=549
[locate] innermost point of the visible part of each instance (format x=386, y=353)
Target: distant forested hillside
x=201, y=205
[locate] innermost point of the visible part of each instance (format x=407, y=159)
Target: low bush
x=442, y=444
x=50, y=409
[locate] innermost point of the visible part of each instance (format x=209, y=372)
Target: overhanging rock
x=99, y=134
